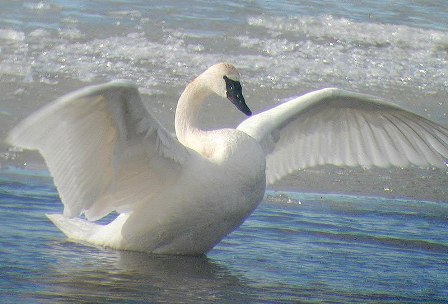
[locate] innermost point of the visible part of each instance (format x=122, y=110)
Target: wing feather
x=103, y=148
x=338, y=127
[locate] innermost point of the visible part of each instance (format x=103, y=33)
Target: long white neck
x=186, y=120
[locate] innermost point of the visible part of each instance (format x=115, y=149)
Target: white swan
x=106, y=152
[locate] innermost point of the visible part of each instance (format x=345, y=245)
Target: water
x=354, y=245
x=295, y=247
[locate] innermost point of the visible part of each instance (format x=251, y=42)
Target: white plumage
x=338, y=127
x=182, y=195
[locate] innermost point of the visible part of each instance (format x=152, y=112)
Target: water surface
x=336, y=234
x=295, y=247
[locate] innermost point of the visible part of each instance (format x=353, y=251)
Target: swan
x=182, y=194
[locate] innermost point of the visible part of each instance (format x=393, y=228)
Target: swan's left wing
x=338, y=127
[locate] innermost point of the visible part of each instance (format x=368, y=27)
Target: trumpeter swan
x=182, y=195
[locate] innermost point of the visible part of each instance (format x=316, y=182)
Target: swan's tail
x=75, y=228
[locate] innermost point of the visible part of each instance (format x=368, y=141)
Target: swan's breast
x=242, y=167
x=237, y=152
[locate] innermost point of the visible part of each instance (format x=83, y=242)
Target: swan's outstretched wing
x=104, y=149
x=333, y=126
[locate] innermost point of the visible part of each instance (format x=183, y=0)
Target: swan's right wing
x=333, y=126
x=103, y=148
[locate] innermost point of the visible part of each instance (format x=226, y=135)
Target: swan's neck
x=187, y=111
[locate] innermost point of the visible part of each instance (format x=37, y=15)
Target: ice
x=284, y=54
x=71, y=33
x=13, y=35
x=41, y=5
x=277, y=52
x=340, y=52
x=39, y=33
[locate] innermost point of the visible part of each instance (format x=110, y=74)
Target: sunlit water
x=298, y=245
x=295, y=247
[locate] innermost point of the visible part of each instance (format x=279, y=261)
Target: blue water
x=295, y=247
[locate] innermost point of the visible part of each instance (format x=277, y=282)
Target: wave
x=402, y=224
x=401, y=243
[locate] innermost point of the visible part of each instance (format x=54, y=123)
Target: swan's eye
x=231, y=85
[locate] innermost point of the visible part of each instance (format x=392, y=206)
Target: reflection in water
x=82, y=273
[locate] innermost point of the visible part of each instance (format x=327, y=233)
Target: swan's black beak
x=234, y=93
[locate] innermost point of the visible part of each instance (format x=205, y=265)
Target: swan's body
x=106, y=152
x=195, y=210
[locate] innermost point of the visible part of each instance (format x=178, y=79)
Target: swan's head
x=224, y=80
